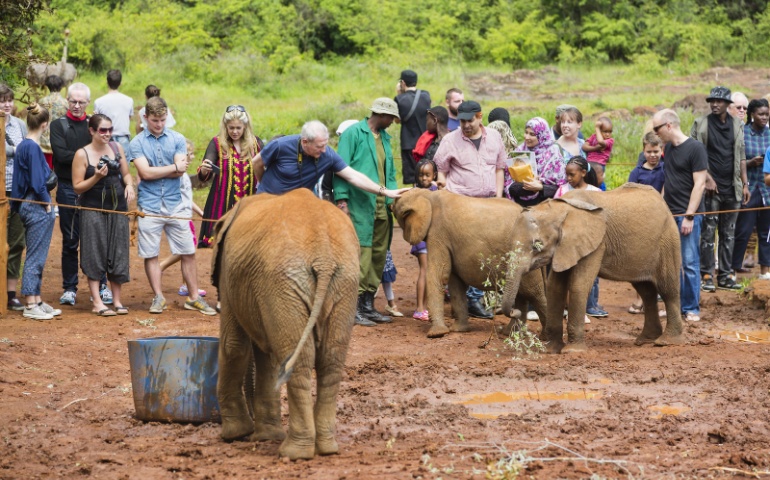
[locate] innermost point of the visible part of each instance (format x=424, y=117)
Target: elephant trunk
x=511, y=289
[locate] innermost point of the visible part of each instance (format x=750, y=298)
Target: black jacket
x=67, y=137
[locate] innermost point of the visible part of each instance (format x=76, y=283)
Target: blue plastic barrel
x=175, y=378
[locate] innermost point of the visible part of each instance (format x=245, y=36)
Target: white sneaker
x=532, y=316
x=49, y=309
x=764, y=276
x=36, y=313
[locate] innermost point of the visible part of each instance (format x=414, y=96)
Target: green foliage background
x=275, y=36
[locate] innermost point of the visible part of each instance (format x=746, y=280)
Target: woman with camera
x=228, y=160
x=100, y=177
x=30, y=182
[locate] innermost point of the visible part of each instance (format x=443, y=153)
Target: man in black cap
x=726, y=187
x=470, y=162
x=412, y=105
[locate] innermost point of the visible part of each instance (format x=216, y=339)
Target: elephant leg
x=267, y=400
x=438, y=263
x=300, y=442
x=581, y=281
x=330, y=365
x=652, y=327
x=672, y=335
x=459, y=301
x=556, y=294
x=532, y=288
x=234, y=357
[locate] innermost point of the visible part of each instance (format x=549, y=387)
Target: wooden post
x=4, y=207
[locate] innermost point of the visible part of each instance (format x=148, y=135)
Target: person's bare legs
x=167, y=262
x=190, y=275
x=116, y=301
x=93, y=287
x=152, y=269
x=422, y=260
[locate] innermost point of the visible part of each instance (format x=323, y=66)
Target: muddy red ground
x=66, y=406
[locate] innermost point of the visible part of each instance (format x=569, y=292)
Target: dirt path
x=409, y=407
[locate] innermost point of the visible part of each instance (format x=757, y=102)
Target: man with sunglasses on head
x=68, y=135
x=684, y=181
x=726, y=187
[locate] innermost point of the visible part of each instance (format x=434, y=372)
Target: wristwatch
x=689, y=217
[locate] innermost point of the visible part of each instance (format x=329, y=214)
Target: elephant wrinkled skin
x=459, y=232
x=627, y=234
x=287, y=272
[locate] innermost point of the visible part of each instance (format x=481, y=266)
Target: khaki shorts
x=177, y=233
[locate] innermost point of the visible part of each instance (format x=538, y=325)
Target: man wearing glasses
x=685, y=179
x=726, y=187
x=739, y=107
x=69, y=134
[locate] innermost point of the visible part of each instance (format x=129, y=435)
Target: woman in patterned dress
x=228, y=160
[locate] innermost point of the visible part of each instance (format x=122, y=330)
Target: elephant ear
x=414, y=212
x=582, y=231
x=220, y=233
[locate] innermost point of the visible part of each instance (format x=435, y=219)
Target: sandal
x=636, y=309
x=121, y=310
x=104, y=312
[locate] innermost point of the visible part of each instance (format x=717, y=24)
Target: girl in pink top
x=599, y=147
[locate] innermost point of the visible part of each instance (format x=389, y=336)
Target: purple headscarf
x=550, y=164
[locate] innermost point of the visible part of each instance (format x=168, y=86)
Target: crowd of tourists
x=707, y=178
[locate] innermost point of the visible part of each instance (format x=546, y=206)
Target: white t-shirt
x=170, y=122
x=185, y=188
x=120, y=109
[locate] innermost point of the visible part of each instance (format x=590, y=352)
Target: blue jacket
x=653, y=178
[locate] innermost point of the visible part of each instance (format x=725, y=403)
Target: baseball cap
x=467, y=110
x=385, y=106
x=409, y=77
x=720, y=93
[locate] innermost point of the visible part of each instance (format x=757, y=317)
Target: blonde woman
x=228, y=159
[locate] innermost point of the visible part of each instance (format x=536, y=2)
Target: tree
x=15, y=39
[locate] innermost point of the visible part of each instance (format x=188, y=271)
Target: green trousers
x=16, y=244
x=372, y=258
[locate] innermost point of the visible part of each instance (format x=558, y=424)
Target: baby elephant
x=460, y=233
x=287, y=272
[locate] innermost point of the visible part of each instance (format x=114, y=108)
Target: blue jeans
x=745, y=225
x=474, y=294
x=123, y=140
x=38, y=225
x=593, y=297
x=69, y=224
x=689, y=278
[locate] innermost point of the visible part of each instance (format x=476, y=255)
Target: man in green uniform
x=365, y=147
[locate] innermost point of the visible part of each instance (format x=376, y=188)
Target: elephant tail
x=323, y=281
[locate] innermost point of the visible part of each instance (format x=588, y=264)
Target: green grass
x=343, y=89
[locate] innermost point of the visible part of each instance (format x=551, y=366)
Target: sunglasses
x=240, y=108
x=741, y=107
x=104, y=130
x=658, y=127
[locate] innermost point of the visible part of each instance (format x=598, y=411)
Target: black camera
x=112, y=165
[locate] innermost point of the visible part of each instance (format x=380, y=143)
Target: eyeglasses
x=658, y=127
x=78, y=103
x=741, y=107
x=104, y=130
x=240, y=108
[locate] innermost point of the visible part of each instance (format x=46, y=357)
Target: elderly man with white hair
x=740, y=105
x=68, y=135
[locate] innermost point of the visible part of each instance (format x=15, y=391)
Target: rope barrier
x=137, y=213
x=132, y=213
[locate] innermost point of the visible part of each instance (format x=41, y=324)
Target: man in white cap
x=366, y=148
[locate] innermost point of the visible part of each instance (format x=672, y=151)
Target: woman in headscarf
x=538, y=138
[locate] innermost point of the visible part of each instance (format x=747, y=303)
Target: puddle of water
x=758, y=336
x=677, y=409
x=492, y=405
x=503, y=397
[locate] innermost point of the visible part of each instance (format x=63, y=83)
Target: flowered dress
x=234, y=181
x=550, y=166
